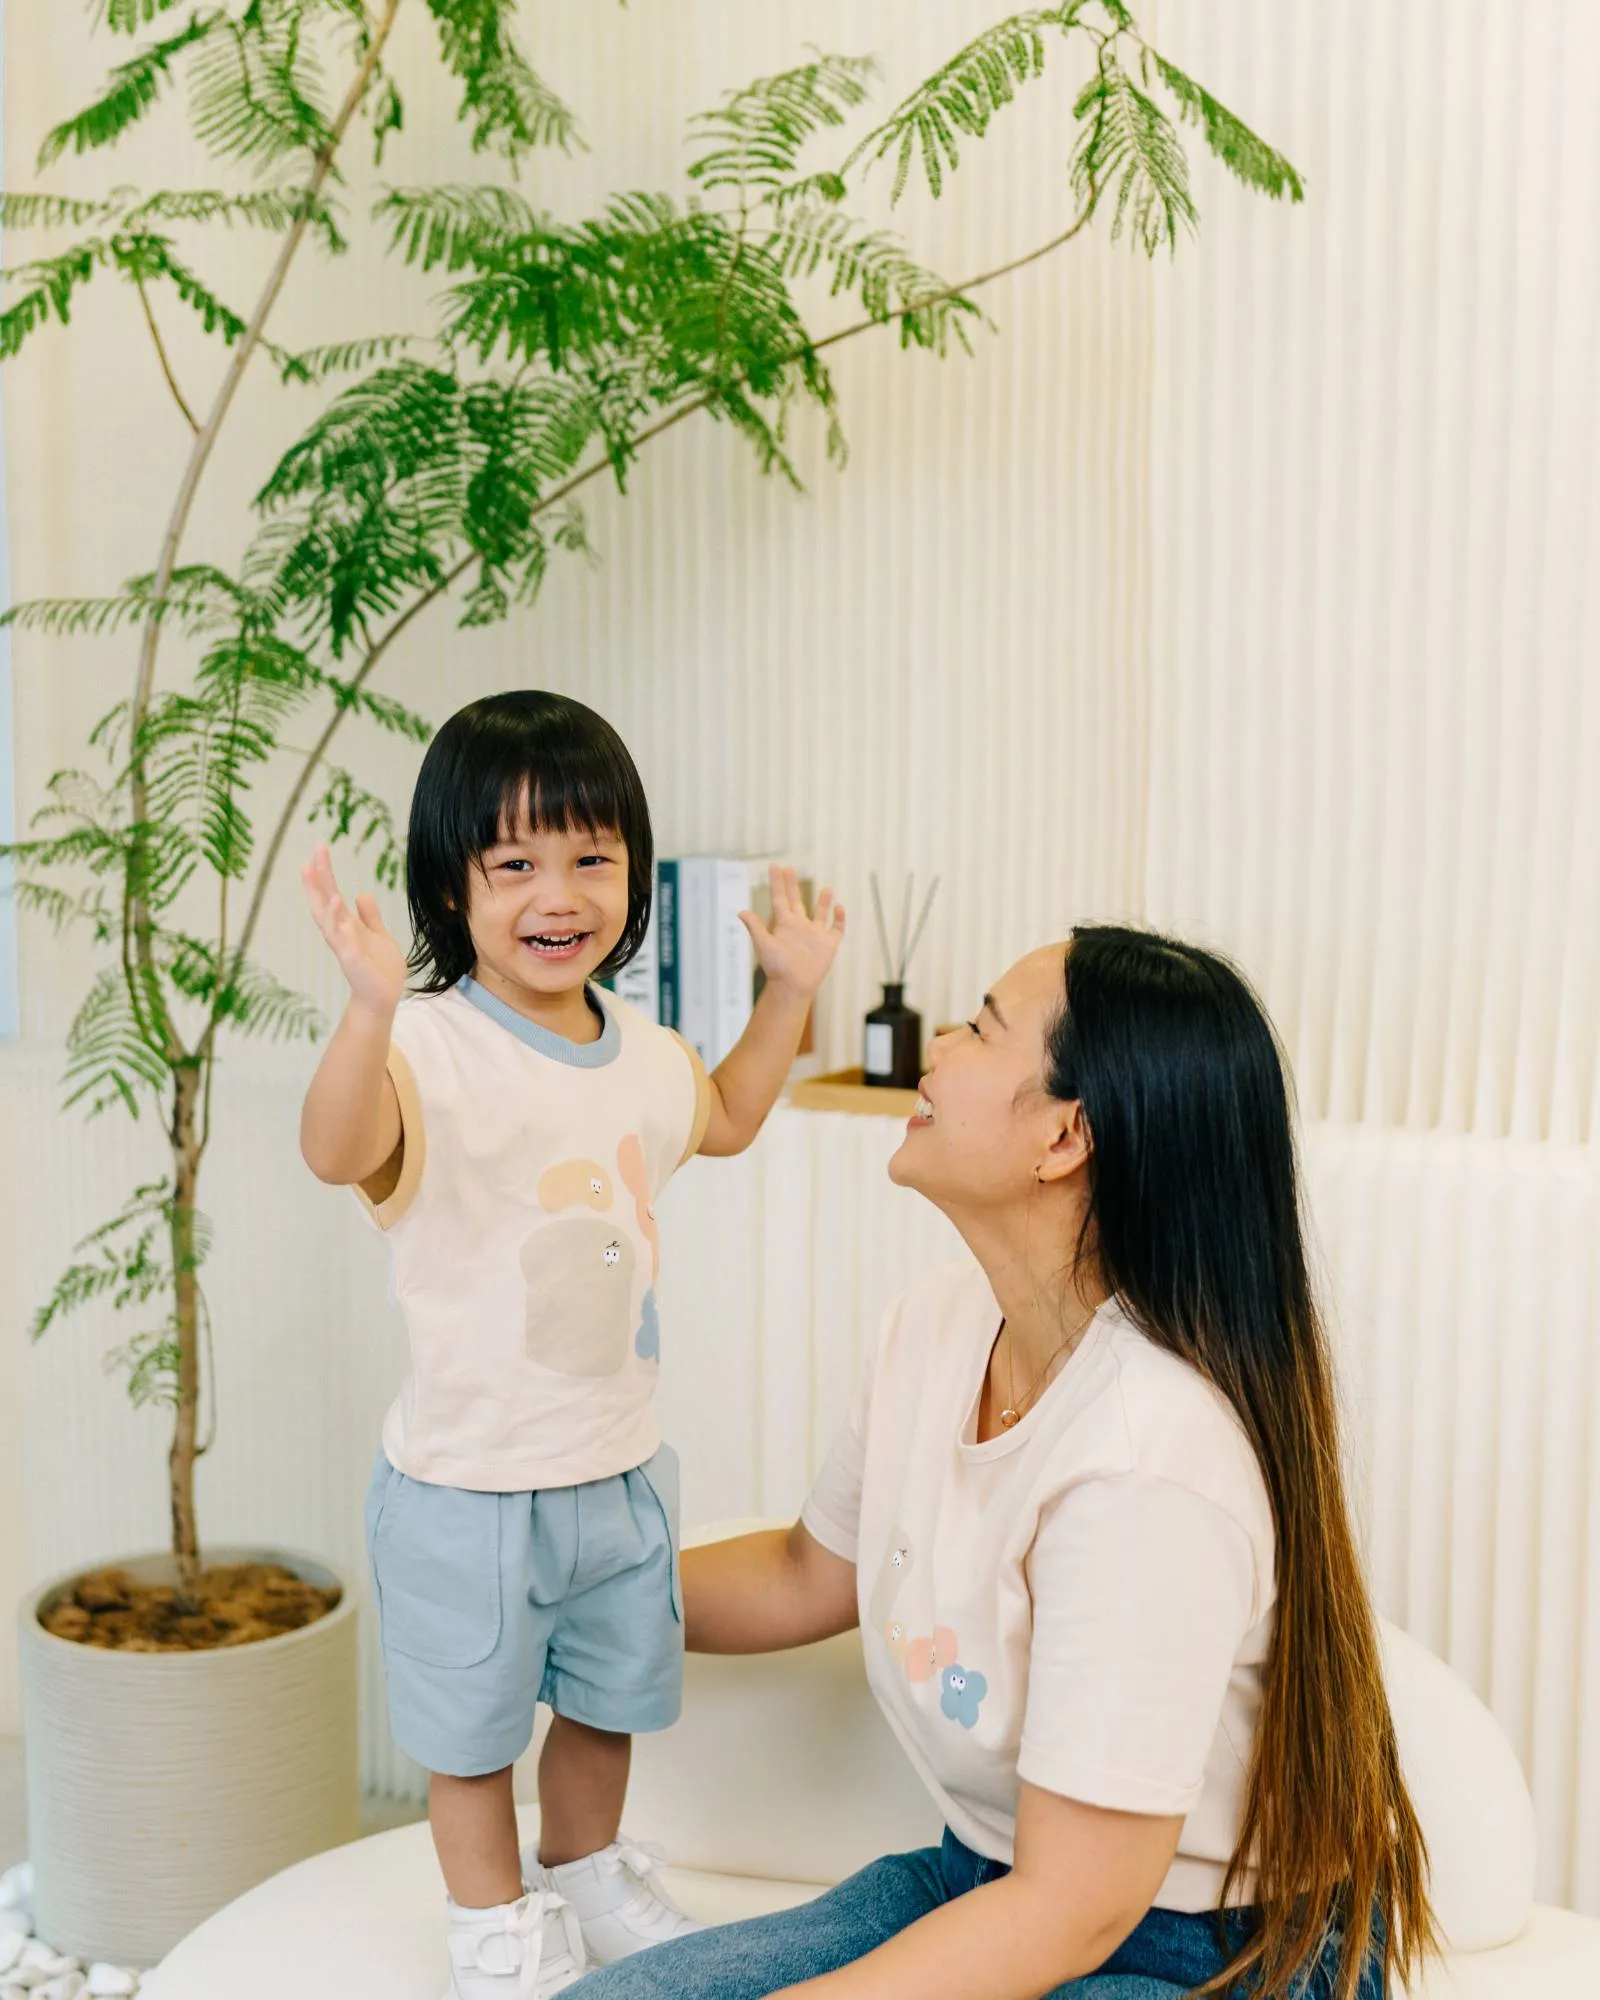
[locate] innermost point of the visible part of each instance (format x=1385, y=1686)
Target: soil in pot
x=234, y=1605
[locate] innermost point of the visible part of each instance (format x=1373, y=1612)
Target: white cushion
x=783, y=1776
x=367, y=1922
x=1471, y=1797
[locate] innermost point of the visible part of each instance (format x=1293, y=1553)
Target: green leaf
x=1130, y=146
x=46, y=288
x=254, y=1003
x=1245, y=155
x=350, y=812
x=127, y=17
x=274, y=209
x=253, y=90
x=49, y=211
x=874, y=266
x=147, y=257
x=134, y=86
x=510, y=109
x=109, y=1060
x=345, y=357
x=460, y=228
x=964, y=96
x=753, y=141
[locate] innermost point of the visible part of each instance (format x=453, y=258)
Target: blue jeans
x=1168, y=1955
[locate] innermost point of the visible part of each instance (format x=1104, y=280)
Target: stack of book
x=696, y=971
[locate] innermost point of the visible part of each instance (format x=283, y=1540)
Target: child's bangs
x=573, y=793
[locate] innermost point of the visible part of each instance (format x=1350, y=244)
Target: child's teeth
x=924, y=1108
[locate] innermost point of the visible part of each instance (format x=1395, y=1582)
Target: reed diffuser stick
x=883, y=934
x=905, y=926
x=922, y=925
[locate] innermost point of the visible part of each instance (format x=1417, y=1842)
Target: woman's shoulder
x=1175, y=1425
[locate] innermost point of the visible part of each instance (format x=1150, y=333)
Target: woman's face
x=985, y=1125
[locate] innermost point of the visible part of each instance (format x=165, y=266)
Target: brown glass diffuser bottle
x=892, y=1041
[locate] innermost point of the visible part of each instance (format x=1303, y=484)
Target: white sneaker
x=621, y=1906
x=519, y=1951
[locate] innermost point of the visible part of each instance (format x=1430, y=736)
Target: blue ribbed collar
x=576, y=1055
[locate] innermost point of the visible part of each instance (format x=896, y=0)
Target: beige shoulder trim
x=387, y=1209
x=702, y=1097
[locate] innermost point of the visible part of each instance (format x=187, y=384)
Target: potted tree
x=451, y=465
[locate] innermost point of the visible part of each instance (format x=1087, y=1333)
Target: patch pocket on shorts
x=436, y=1567
x=660, y=1474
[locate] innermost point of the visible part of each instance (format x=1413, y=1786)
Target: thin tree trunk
x=185, y=1138
x=189, y=1073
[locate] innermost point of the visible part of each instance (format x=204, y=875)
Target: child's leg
x=583, y=1780
x=475, y=1835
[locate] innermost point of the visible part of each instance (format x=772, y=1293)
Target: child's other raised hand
x=798, y=950
x=370, y=959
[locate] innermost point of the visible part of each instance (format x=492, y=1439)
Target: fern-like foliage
x=131, y=90
x=127, y=17
x=1130, y=148
x=963, y=96
x=350, y=812
x=460, y=228
x=254, y=86
x=511, y=109
x=754, y=140
x=1249, y=158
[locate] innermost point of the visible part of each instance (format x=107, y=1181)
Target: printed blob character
x=647, y=1341
x=962, y=1695
x=580, y=1296
x=575, y=1184
x=927, y=1657
x=899, y=1560
x=635, y=1178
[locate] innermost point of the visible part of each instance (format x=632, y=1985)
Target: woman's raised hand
x=371, y=961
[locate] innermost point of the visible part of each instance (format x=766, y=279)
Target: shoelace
x=525, y=1921
x=643, y=1859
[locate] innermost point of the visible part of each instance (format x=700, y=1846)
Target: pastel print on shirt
x=580, y=1269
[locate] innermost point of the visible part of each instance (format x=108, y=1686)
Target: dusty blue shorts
x=491, y=1602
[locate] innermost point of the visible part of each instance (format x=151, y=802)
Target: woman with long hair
x=1090, y=1517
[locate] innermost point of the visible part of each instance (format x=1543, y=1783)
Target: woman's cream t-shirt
x=1084, y=1602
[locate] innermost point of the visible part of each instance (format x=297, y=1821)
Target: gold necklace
x=1017, y=1407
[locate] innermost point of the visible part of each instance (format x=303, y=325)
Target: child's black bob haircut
x=510, y=754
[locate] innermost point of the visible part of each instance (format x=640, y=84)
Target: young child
x=510, y=1126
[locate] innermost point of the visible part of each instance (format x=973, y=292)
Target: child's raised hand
x=370, y=959
x=798, y=950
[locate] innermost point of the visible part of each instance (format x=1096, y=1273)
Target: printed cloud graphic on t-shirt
x=580, y=1295
x=647, y=1341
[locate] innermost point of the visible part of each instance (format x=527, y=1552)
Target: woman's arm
x=763, y=1593
x=1084, y=1878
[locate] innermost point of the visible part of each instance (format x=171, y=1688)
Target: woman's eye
x=975, y=1029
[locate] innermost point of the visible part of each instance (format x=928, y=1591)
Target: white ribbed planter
x=162, y=1785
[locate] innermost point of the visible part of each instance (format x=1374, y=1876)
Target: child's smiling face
x=546, y=908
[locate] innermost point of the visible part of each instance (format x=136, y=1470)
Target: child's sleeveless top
x=523, y=1234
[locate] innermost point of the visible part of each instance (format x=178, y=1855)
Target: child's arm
x=762, y=1593
x=796, y=954
x=350, y=1125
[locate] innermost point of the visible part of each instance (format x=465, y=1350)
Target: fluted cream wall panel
x=1376, y=557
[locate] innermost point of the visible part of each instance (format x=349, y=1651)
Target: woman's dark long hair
x=529, y=752
x=1195, y=1220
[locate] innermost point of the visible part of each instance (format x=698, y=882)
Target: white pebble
x=11, y=1948
x=15, y=1923
x=16, y=1887
x=68, y=1987
x=39, y=1965
x=107, y=1980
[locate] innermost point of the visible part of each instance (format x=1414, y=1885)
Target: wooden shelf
x=844, y=1090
